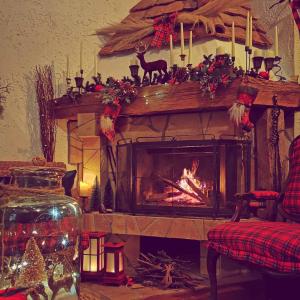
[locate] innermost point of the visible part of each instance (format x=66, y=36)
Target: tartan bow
x=163, y=28
x=295, y=6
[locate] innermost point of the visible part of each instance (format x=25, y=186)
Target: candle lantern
x=92, y=255
x=114, y=263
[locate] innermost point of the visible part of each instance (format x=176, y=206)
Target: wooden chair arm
x=247, y=202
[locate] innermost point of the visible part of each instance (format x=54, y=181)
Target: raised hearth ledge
x=166, y=227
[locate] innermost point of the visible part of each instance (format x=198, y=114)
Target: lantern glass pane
x=87, y=251
x=86, y=263
x=110, y=263
x=102, y=261
x=121, y=267
x=101, y=266
x=94, y=246
x=94, y=267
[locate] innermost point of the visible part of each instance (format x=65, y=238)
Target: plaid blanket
x=274, y=245
x=295, y=6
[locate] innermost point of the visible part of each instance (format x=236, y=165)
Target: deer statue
x=150, y=67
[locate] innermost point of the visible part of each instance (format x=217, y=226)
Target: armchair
x=272, y=247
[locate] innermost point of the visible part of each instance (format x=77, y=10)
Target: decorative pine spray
x=33, y=266
x=96, y=203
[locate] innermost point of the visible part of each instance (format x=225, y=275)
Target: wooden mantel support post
x=264, y=151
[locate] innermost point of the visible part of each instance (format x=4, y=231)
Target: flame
x=183, y=182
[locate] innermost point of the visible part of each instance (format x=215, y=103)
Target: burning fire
x=189, y=189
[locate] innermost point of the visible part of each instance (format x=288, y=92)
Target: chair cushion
x=274, y=245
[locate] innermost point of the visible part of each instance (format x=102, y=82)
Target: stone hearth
x=181, y=228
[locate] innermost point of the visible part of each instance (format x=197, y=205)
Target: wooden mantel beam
x=186, y=97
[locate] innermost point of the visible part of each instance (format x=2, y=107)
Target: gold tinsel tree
x=33, y=265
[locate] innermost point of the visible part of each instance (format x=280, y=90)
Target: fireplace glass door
x=184, y=177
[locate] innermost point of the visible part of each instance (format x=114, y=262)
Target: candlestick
x=276, y=42
x=68, y=68
x=80, y=58
x=182, y=38
x=171, y=51
x=247, y=30
x=95, y=65
x=233, y=41
x=190, y=48
x=251, y=32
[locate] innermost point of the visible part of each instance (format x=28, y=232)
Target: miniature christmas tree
x=108, y=196
x=33, y=266
x=95, y=204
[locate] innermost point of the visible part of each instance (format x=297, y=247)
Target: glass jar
x=38, y=177
x=40, y=238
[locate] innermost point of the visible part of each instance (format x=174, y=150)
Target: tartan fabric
x=163, y=28
x=264, y=195
x=291, y=201
x=49, y=235
x=274, y=245
x=295, y=6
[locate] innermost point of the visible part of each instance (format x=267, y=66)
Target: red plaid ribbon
x=163, y=28
x=295, y=6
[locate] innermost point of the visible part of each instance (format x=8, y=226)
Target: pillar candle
x=182, y=38
x=80, y=57
x=84, y=189
x=250, y=32
x=171, y=51
x=276, y=41
x=190, y=47
x=247, y=30
x=233, y=41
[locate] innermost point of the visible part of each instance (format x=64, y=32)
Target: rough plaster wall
x=44, y=32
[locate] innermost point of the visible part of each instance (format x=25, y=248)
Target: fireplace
x=186, y=177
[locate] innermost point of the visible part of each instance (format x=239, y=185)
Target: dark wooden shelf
x=186, y=97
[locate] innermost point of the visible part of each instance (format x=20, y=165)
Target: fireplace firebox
x=186, y=177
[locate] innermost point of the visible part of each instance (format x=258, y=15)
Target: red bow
x=163, y=28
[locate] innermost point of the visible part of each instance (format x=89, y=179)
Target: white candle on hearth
x=190, y=47
x=84, y=189
x=182, y=38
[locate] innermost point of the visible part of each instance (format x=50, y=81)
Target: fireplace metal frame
x=215, y=211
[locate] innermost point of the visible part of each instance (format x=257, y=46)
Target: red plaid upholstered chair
x=273, y=247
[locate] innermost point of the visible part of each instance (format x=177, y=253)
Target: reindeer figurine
x=150, y=67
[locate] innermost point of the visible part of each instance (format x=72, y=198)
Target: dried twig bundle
x=45, y=95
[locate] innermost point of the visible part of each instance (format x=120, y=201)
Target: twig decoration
x=45, y=95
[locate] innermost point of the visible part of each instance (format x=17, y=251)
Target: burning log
x=181, y=189
x=166, y=272
x=197, y=190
